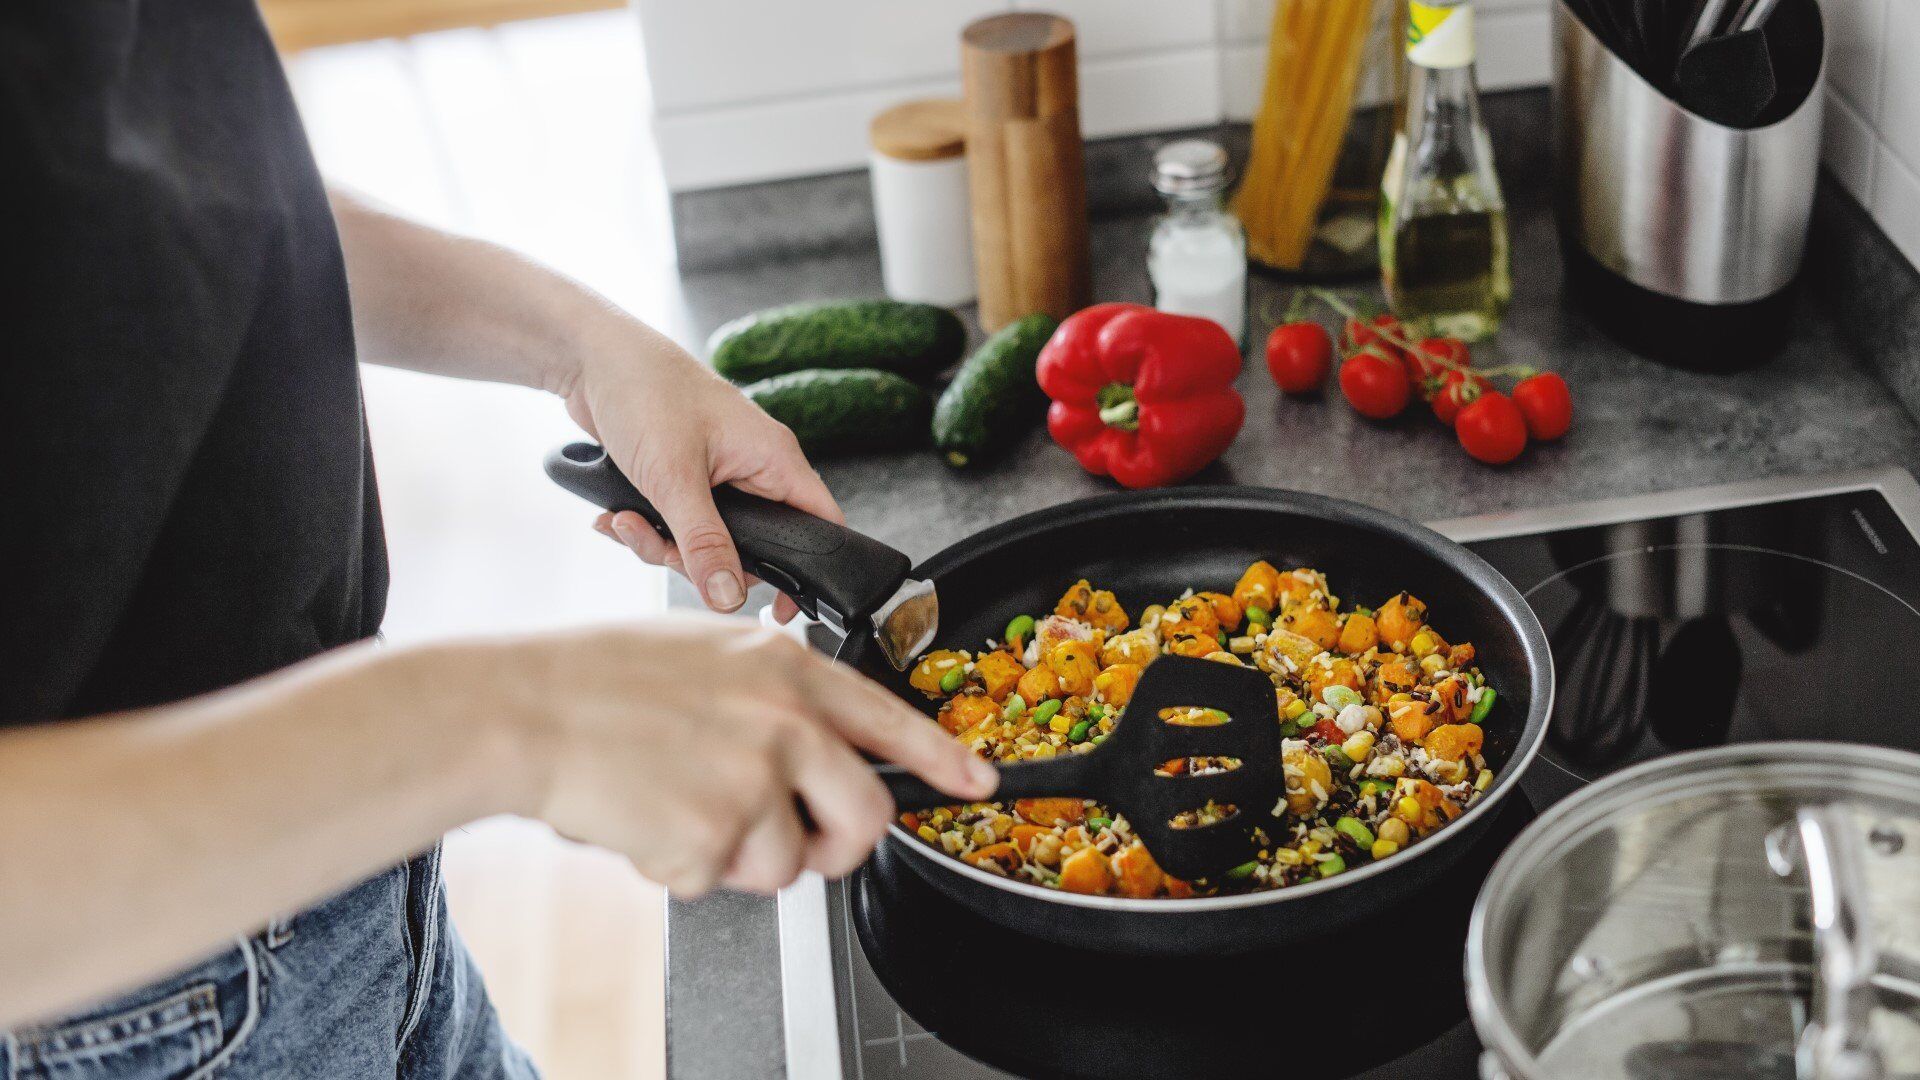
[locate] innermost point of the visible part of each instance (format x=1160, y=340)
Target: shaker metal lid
x=1189, y=166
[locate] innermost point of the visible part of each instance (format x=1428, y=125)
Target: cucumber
x=851, y=409
x=914, y=340
x=994, y=397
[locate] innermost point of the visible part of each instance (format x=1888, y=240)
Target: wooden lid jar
x=920, y=210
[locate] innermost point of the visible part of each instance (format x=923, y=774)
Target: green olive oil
x=1443, y=221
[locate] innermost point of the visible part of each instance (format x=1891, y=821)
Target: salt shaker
x=1198, y=255
x=920, y=202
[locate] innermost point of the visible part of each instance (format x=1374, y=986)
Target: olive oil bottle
x=1443, y=222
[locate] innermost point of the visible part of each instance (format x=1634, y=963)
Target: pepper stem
x=1118, y=409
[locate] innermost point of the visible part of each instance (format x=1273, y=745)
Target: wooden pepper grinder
x=1027, y=181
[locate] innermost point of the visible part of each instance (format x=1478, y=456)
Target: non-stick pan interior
x=1148, y=548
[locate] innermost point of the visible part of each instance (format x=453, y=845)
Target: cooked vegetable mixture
x=1379, y=718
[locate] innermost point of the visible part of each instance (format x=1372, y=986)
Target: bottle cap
x=1190, y=167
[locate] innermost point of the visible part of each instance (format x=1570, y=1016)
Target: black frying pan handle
x=1071, y=775
x=818, y=563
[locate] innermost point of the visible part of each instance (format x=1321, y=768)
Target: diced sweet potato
x=1115, y=685
x=1051, y=812
x=1298, y=585
x=1258, y=587
x=966, y=711
x=1422, y=806
x=1076, y=663
x=1001, y=858
x=1398, y=675
x=1190, y=616
x=1178, y=889
x=1451, y=693
x=1399, y=619
x=1314, y=623
x=933, y=667
x=1225, y=608
x=1412, y=719
x=1304, y=770
x=1086, y=871
x=1339, y=672
x=1095, y=607
x=1358, y=634
x=1454, y=742
x=1132, y=647
x=1192, y=644
x=1139, y=876
x=1284, y=645
x=1038, y=684
x=1023, y=836
x=998, y=673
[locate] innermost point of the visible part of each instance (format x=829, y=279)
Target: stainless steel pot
x=1750, y=910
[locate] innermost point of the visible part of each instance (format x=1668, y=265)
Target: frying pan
x=1149, y=546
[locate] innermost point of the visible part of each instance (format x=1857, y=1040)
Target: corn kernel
x=1358, y=745
x=1044, y=750
x=1408, y=807
x=1295, y=709
x=1433, y=663
x=1484, y=780
x=1389, y=767
x=1394, y=830
x=1422, y=644
x=1286, y=856
x=1384, y=848
x=941, y=815
x=1060, y=724
x=1398, y=699
x=930, y=834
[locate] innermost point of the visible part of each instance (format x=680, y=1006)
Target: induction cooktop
x=1780, y=609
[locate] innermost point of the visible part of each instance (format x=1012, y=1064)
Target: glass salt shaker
x=1198, y=255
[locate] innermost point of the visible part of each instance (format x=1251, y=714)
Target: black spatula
x=1728, y=77
x=1121, y=771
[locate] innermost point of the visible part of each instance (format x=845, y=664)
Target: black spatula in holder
x=1122, y=770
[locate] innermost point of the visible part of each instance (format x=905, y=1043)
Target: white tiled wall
x=1873, y=111
x=761, y=89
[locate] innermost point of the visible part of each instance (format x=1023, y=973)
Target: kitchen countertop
x=1638, y=427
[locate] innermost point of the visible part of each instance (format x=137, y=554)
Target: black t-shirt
x=186, y=494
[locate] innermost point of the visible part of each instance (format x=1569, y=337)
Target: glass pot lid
x=1746, y=911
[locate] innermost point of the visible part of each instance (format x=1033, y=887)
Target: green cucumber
x=914, y=340
x=994, y=398
x=856, y=409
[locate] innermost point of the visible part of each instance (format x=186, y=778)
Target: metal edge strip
x=1902, y=492
x=808, y=1004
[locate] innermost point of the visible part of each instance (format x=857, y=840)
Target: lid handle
x=1837, y=1043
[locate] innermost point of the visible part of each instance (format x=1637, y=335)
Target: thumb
x=706, y=549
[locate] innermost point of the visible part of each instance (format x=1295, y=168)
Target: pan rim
x=1507, y=598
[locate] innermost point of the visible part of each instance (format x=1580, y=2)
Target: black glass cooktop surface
x=1673, y=629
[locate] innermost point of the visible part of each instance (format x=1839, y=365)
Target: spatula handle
x=1074, y=774
x=815, y=561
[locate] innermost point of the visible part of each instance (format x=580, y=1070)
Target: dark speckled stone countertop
x=1638, y=427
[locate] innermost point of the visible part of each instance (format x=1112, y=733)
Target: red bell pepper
x=1141, y=395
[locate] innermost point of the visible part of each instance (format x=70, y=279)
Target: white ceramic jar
x=920, y=207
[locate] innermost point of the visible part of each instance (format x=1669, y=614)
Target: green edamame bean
x=1357, y=829
x=1079, y=732
x=1044, y=711
x=1333, y=866
x=1020, y=628
x=953, y=679
x=1244, y=870
x=1014, y=707
x=1484, y=706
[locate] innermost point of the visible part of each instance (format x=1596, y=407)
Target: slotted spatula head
x=1123, y=771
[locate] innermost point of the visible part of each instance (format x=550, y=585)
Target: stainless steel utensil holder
x=1702, y=225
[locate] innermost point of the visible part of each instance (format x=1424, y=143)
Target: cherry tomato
x=1457, y=391
x=1330, y=731
x=1428, y=375
x=1546, y=404
x=1299, y=354
x=1491, y=429
x=1375, y=386
x=1357, y=336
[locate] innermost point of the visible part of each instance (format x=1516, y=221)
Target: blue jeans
x=372, y=983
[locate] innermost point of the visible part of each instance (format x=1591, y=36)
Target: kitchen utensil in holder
x=1682, y=237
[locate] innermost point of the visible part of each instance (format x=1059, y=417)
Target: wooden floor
x=533, y=134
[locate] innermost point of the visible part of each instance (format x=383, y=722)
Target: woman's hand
x=678, y=430
x=689, y=743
